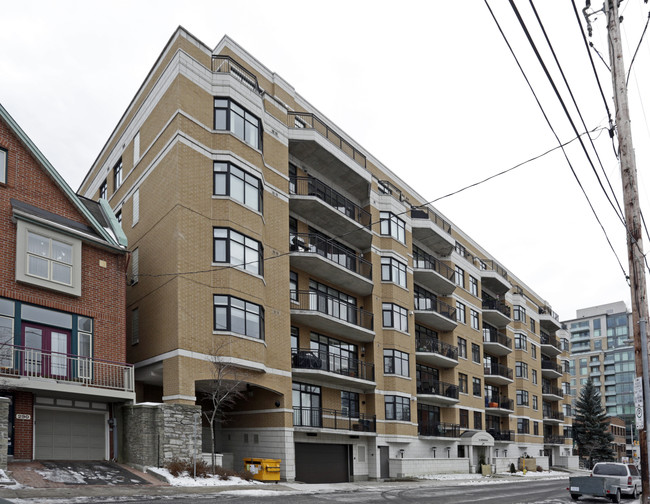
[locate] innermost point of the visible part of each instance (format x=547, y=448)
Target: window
x=460, y=312
x=534, y=376
x=535, y=404
x=135, y=266
x=136, y=207
x=295, y=336
x=533, y=350
x=460, y=249
x=519, y=313
x=462, y=383
x=566, y=388
x=522, y=398
x=521, y=369
x=230, y=180
x=523, y=426
x=463, y=416
x=117, y=176
x=394, y=271
x=473, y=318
x=396, y=362
x=476, y=387
x=350, y=404
x=332, y=302
x=238, y=316
x=521, y=341
x=397, y=408
x=118, y=216
x=103, y=189
x=293, y=285
x=462, y=347
x=391, y=225
x=460, y=277
x=136, y=148
x=394, y=316
x=478, y=420
x=476, y=353
x=473, y=286
x=536, y=428
x=532, y=325
x=230, y=116
x=135, y=326
x=239, y=250
x=6, y=337
x=3, y=166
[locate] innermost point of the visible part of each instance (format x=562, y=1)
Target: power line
x=629, y=71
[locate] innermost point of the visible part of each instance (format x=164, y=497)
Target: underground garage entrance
x=323, y=463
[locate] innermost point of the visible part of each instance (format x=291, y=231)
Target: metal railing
x=427, y=213
x=498, y=370
x=552, y=390
x=321, y=245
x=387, y=187
x=422, y=260
x=21, y=361
x=225, y=64
x=546, y=339
x=308, y=358
x=495, y=304
x=553, y=415
x=439, y=388
x=499, y=401
x=500, y=435
x=553, y=366
x=546, y=310
x=332, y=306
x=430, y=344
x=494, y=336
x=440, y=429
x=489, y=264
x=306, y=120
x=325, y=418
x=432, y=304
x=310, y=186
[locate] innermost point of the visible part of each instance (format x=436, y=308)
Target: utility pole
x=633, y=223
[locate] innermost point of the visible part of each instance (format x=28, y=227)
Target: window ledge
x=242, y=336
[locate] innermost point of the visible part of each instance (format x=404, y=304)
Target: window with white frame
x=394, y=316
x=396, y=362
x=85, y=346
x=239, y=250
x=393, y=270
x=238, y=316
x=391, y=225
x=230, y=116
x=3, y=165
x=230, y=180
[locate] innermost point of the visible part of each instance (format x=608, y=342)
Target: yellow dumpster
x=263, y=469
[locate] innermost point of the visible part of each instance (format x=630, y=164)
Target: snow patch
x=188, y=481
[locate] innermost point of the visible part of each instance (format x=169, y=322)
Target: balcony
x=554, y=440
x=330, y=210
x=499, y=405
x=326, y=259
x=437, y=393
x=497, y=374
x=496, y=343
x=311, y=140
x=432, y=230
x=496, y=312
x=551, y=369
x=494, y=277
x=440, y=429
x=435, y=313
x=331, y=315
x=552, y=393
x=500, y=435
x=432, y=274
x=552, y=417
x=30, y=368
x=548, y=319
x=225, y=64
x=330, y=368
x=433, y=352
x=306, y=418
x=549, y=345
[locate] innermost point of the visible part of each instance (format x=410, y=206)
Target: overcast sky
x=429, y=89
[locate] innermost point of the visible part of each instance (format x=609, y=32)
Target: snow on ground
x=507, y=477
x=187, y=480
x=61, y=475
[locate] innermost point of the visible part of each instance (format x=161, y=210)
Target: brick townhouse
x=62, y=310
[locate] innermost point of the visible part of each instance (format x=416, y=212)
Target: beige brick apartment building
x=377, y=338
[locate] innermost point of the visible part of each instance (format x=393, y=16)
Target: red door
x=46, y=351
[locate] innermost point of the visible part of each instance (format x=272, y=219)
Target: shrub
x=202, y=469
x=512, y=468
x=539, y=469
x=223, y=473
x=175, y=467
x=245, y=475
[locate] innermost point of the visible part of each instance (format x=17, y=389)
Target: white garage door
x=69, y=435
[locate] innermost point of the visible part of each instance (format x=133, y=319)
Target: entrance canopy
x=478, y=438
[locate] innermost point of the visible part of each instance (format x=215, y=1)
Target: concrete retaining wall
x=400, y=468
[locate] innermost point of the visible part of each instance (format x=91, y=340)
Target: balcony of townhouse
x=226, y=65
x=329, y=314
x=502, y=436
x=495, y=342
x=551, y=369
x=584, y=346
x=433, y=274
x=550, y=416
x=311, y=419
x=437, y=393
x=435, y=313
x=330, y=210
x=554, y=440
x=325, y=259
x=549, y=345
x=439, y=429
x=552, y=393
x=496, y=312
x=316, y=144
x=609, y=370
x=433, y=352
x=580, y=337
x=497, y=374
x=494, y=277
x=595, y=373
x=432, y=230
x=548, y=319
x=36, y=369
x=499, y=405
x=332, y=369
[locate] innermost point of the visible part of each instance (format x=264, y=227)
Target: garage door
x=69, y=435
x=321, y=463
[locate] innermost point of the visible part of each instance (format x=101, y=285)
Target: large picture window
x=230, y=180
x=393, y=270
x=239, y=250
x=397, y=408
x=396, y=362
x=238, y=316
x=391, y=225
x=230, y=116
x=394, y=316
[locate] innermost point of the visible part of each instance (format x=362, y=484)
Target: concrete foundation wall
x=570, y=462
x=400, y=468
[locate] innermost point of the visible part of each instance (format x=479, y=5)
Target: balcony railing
x=439, y=388
x=332, y=306
x=488, y=264
x=305, y=120
x=553, y=366
x=427, y=213
x=500, y=435
x=318, y=244
x=441, y=429
x=493, y=336
x=546, y=339
x=554, y=439
x=498, y=370
x=225, y=64
x=19, y=361
x=495, y=304
x=324, y=418
x=307, y=358
x=550, y=389
x=546, y=310
x=497, y=401
x=431, y=303
x=310, y=186
x=553, y=415
x=429, y=344
x=422, y=260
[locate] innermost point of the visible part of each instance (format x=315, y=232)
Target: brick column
x=24, y=427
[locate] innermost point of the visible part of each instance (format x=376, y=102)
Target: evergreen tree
x=591, y=426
